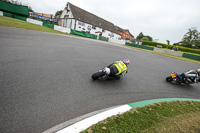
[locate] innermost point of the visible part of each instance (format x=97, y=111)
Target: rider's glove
x=123, y=73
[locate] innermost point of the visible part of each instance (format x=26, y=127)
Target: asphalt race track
x=45, y=79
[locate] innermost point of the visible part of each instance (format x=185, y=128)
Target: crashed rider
x=118, y=68
x=193, y=75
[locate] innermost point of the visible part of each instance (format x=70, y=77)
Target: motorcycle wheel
x=169, y=79
x=97, y=75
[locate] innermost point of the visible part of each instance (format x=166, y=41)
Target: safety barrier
x=140, y=46
x=84, y=34
x=117, y=41
x=17, y=9
x=34, y=21
x=102, y=38
x=1, y=13
x=46, y=24
x=191, y=56
x=62, y=29
x=14, y=16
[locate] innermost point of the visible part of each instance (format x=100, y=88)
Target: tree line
x=191, y=39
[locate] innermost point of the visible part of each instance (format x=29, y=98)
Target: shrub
x=154, y=44
x=196, y=51
x=184, y=49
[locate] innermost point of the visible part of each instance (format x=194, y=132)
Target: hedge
x=154, y=44
x=140, y=46
x=197, y=51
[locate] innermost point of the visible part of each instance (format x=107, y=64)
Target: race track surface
x=45, y=79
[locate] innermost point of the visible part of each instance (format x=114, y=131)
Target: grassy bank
x=167, y=55
x=11, y=22
x=175, y=116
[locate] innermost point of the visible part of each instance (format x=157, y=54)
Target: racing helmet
x=126, y=61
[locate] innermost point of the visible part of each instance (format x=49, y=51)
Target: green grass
x=11, y=22
x=167, y=55
x=175, y=116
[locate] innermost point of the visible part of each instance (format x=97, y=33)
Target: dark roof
x=84, y=16
x=123, y=30
x=119, y=29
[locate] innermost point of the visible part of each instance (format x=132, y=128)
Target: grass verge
x=167, y=55
x=174, y=116
x=11, y=22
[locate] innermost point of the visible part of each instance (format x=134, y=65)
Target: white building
x=78, y=19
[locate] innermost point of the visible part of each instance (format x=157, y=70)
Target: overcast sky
x=160, y=19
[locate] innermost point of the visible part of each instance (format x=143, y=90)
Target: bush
x=197, y=51
x=154, y=44
x=184, y=49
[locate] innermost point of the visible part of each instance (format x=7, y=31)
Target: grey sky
x=160, y=19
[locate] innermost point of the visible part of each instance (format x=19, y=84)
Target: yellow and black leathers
x=117, y=68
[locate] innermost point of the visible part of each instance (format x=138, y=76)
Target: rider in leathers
x=119, y=68
x=193, y=75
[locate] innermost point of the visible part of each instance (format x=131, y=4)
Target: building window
x=81, y=23
x=66, y=16
x=93, y=27
x=111, y=34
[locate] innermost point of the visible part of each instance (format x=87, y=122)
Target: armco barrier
x=140, y=46
x=62, y=29
x=191, y=56
x=14, y=16
x=84, y=34
x=34, y=21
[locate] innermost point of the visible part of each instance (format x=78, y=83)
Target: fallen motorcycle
x=101, y=74
x=175, y=77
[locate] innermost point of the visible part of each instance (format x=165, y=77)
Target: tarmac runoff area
x=93, y=119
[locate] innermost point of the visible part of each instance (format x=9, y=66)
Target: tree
x=191, y=38
x=145, y=38
x=58, y=13
x=150, y=38
x=168, y=42
x=30, y=9
x=140, y=36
